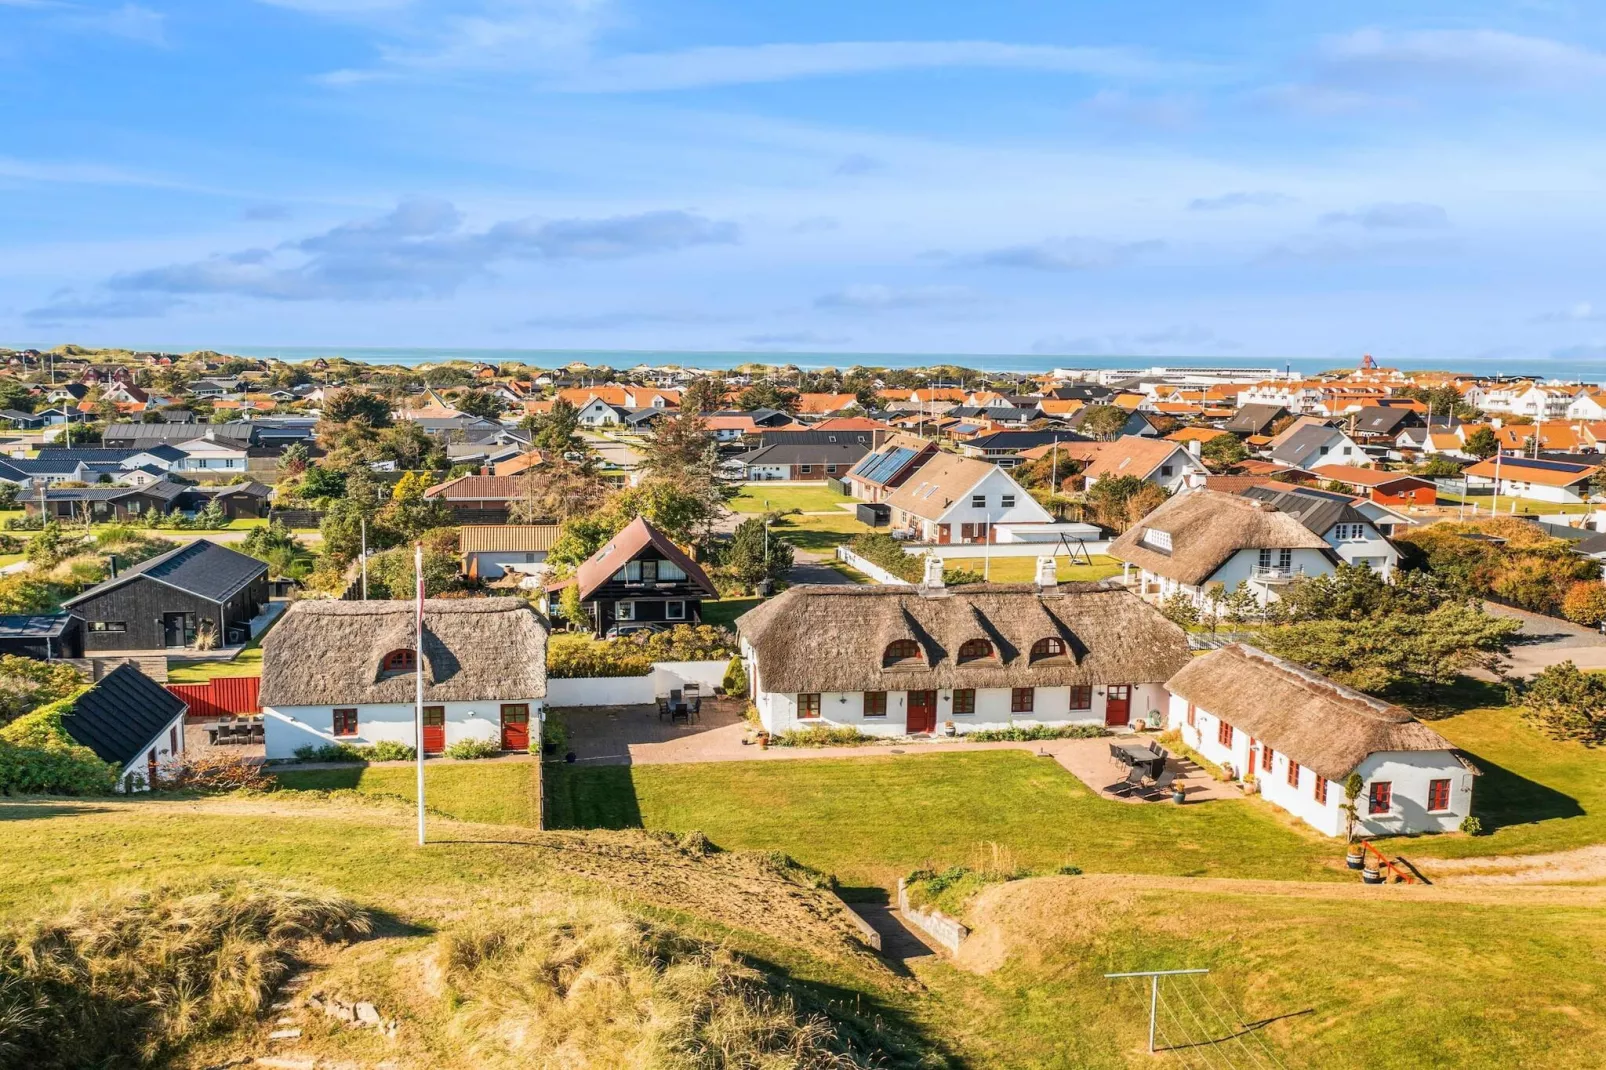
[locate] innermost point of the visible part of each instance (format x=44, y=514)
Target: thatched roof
x=475, y=649
x=831, y=638
x=1319, y=724
x=1207, y=527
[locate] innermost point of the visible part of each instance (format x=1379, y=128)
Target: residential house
x=1348, y=531
x=1137, y=423
x=885, y=470
x=954, y=499
x=477, y=499
x=638, y=579
x=599, y=413
x=1385, y=488
x=131, y=721
x=489, y=551
x=900, y=660
x=1311, y=444
x=1169, y=465
x=1587, y=405
x=1206, y=539
x=805, y=455
x=1297, y=396
x=1378, y=424
x=1300, y=736
x=44, y=636
x=821, y=405
x=195, y=591
x=1004, y=448
x=1565, y=482
x=347, y=672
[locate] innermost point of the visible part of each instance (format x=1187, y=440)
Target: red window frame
x=1190, y=715
x=1266, y=756
x=402, y=660
x=1224, y=733
x=1438, y=795
x=900, y=650
x=1048, y=648
x=1081, y=696
x=964, y=700
x=344, y=722
x=875, y=704
x=975, y=650
x=1318, y=790
x=1293, y=773
x=1380, y=797
x=1022, y=699
x=808, y=706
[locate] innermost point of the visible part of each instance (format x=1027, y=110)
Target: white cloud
x=1065, y=254
x=1239, y=199
x=877, y=298
x=1460, y=57
x=1407, y=215
x=1581, y=312
x=130, y=22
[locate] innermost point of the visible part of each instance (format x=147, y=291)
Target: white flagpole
x=418, y=673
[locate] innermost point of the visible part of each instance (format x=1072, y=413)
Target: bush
x=1585, y=602
x=571, y=657
x=1471, y=825
x=388, y=750
x=331, y=752
x=469, y=749
x=1030, y=733
x=1564, y=703
x=888, y=552
x=128, y=979
x=38, y=757
x=822, y=735
x=735, y=681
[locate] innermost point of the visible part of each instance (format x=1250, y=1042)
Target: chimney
x=933, y=578
x=1193, y=446
x=111, y=564
x=1047, y=579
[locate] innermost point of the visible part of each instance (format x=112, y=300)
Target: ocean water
x=1588, y=371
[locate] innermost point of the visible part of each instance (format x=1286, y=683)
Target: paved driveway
x=1546, y=641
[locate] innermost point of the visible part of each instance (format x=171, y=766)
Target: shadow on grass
x=23, y=810
x=590, y=797
x=321, y=779
x=869, y=1025
x=1465, y=694
x=1504, y=798
x=725, y=611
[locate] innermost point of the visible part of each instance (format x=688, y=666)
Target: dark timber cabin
x=640, y=578
x=164, y=603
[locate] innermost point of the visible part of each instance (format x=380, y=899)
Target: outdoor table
x=1139, y=754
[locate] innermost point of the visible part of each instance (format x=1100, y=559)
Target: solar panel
x=1545, y=466
x=886, y=464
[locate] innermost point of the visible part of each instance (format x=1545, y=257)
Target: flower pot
x=1179, y=797
x=948, y=729
x=1371, y=875
x=1355, y=859
x=763, y=741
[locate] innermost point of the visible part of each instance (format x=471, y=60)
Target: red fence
x=224, y=696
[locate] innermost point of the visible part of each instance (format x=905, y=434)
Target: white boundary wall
x=635, y=690
x=868, y=567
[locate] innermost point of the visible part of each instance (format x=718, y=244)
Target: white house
x=901, y=660
x=1351, y=534
x=598, y=413
x=1203, y=538
x=131, y=721
x=1541, y=480
x=210, y=454
x=1587, y=406
x=953, y=499
x=491, y=550
x=1159, y=461
x=344, y=672
x=1299, y=736
x=1308, y=444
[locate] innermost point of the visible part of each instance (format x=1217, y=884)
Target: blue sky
x=1230, y=180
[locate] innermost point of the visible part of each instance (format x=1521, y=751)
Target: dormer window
x=399, y=661
x=900, y=652
x=974, y=650
x=1051, y=647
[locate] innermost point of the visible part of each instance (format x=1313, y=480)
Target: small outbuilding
x=131, y=721
x=42, y=635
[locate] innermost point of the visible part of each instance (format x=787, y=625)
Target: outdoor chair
x=1117, y=756
x=1162, y=783
x=692, y=690
x=1155, y=748
x=1133, y=781
x=663, y=707
x=697, y=708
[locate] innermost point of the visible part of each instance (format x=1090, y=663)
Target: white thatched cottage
x=899, y=660
x=1300, y=735
x=344, y=672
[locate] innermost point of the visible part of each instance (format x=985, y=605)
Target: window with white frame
x=978, y=501
x=624, y=611
x=1161, y=540
x=675, y=610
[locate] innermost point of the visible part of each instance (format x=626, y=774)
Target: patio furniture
x=1154, y=745
x=1134, y=780
x=692, y=690
x=663, y=707
x=1162, y=784
x=697, y=708
x=679, y=711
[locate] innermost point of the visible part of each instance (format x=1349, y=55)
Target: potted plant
x=1352, y=792
x=1371, y=872
x=1250, y=784
x=948, y=728
x=763, y=741
x=1179, y=792
x=1355, y=855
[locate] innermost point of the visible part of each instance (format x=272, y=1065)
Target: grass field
x=496, y=793
x=1024, y=569
x=753, y=496
x=818, y=533
x=248, y=662
x=725, y=611
x=1503, y=504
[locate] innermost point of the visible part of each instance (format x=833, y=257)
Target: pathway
x=1546, y=641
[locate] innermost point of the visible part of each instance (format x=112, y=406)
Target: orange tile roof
x=820, y=404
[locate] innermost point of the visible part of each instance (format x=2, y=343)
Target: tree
x=680, y=444
x=409, y=513
x=1180, y=609
x=1482, y=443
x=703, y=395
x=1585, y=602
x=479, y=403
x=1224, y=451
x=766, y=395
x=1103, y=421
x=391, y=575
x=1566, y=704
x=347, y=405
x=1437, y=467
x=294, y=460
x=754, y=555
x=557, y=431
x=324, y=482
x=1121, y=501
x=557, y=490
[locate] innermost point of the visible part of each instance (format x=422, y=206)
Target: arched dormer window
x=1051, y=647
x=900, y=652
x=974, y=650
x=403, y=660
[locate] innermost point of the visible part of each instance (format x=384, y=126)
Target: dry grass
x=132, y=976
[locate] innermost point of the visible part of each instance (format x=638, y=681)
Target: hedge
x=38, y=757
x=572, y=657
x=888, y=552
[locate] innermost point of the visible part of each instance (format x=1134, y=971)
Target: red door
x=944, y=534
x=922, y=712
x=516, y=727
x=434, y=729
x=1118, y=704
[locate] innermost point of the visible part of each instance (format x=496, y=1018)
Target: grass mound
x=594, y=987
x=122, y=981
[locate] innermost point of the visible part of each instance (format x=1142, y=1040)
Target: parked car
x=620, y=630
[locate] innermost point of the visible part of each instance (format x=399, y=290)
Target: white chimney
x=1193, y=446
x=1047, y=579
x=933, y=572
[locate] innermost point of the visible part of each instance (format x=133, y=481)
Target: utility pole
x=1154, y=991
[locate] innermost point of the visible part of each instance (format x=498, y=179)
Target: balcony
x=1275, y=574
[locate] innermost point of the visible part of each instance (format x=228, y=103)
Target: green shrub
x=888, y=552
x=469, y=749
x=574, y=658
x=1471, y=825
x=38, y=757
x=735, y=681
x=331, y=752
x=1031, y=733
x=388, y=750
x=822, y=735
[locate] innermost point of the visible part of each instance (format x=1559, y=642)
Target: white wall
x=289, y=727
x=995, y=485
x=778, y=710
x=163, y=745
x=601, y=691
x=1409, y=773
x=490, y=563
x=1370, y=547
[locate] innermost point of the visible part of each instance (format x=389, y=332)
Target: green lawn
x=496, y=793
x=759, y=498
x=725, y=611
x=872, y=820
x=1024, y=569
x=1503, y=503
x=247, y=663
x=818, y=533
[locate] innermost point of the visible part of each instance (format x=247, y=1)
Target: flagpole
x=418, y=676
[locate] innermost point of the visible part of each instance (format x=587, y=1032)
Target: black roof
x=121, y=716
x=202, y=568
x=1379, y=420
x=1317, y=514
x=845, y=454
x=1024, y=440
x=1254, y=418
x=784, y=437
x=34, y=625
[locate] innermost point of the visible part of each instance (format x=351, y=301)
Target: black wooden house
x=640, y=579
x=166, y=602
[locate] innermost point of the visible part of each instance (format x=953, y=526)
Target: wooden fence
x=224, y=696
